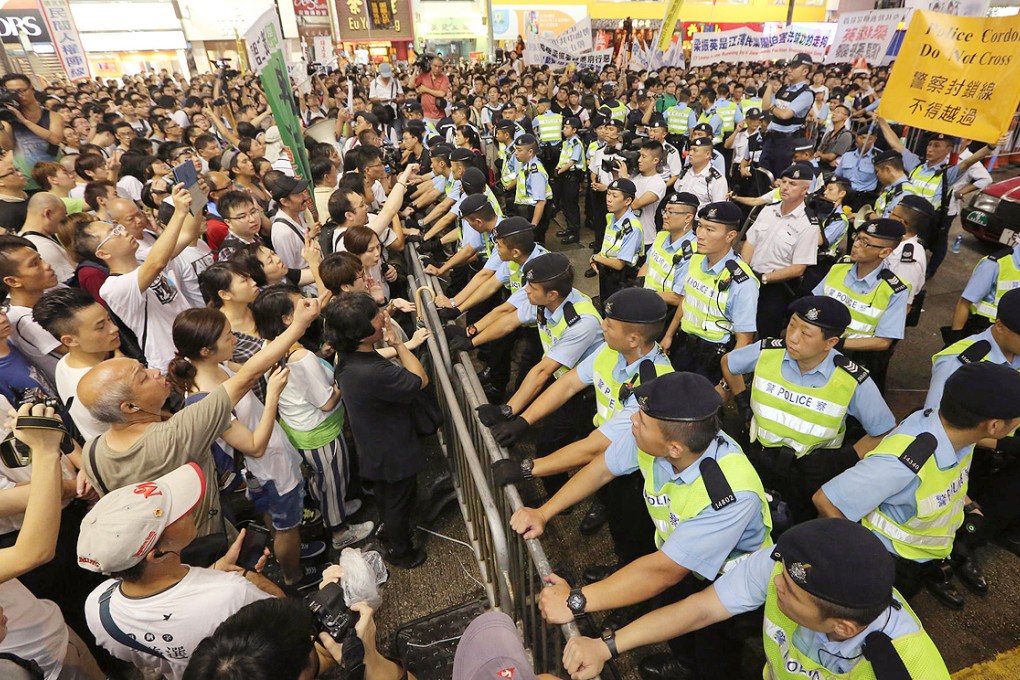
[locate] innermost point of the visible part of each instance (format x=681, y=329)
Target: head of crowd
x=685, y=287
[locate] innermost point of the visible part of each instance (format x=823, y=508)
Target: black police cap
x=722, y=212
x=636, y=305
x=441, y=150
x=919, y=204
x=683, y=198
x=573, y=122
x=799, y=170
x=546, y=268
x=886, y=156
x=412, y=106
x=803, y=144
x=942, y=137
x=624, y=186
x=656, y=122
x=801, y=59
x=838, y=561
x=612, y=122
x=526, y=140
x=462, y=155
x=511, y=226
x=702, y=141
x=987, y=389
x=753, y=113
x=884, y=228
x=505, y=124
x=544, y=100
x=473, y=179
x=679, y=397
x=473, y=204
x=598, y=120
x=703, y=127
x=822, y=311
x=1009, y=310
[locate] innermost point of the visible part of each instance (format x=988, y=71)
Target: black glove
x=510, y=432
x=743, y=402
x=448, y=313
x=431, y=246
x=461, y=344
x=454, y=331
x=507, y=471
x=949, y=336
x=490, y=414
x=413, y=238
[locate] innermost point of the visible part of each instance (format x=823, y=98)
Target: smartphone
x=256, y=538
x=185, y=174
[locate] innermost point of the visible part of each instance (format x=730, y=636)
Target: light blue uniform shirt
x=893, y=320
x=502, y=268
x=673, y=246
x=632, y=243
x=947, y=365
x=576, y=149
x=858, y=169
x=800, y=105
x=835, y=229
x=895, y=200
x=703, y=543
x=537, y=183
x=577, y=341
x=622, y=371
x=746, y=586
x=950, y=174
x=440, y=182
x=867, y=404
x=884, y=482
x=742, y=301
x=981, y=285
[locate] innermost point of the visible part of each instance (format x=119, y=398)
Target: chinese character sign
x=66, y=40
x=577, y=38
x=263, y=38
x=311, y=8
x=956, y=75
x=745, y=44
x=864, y=35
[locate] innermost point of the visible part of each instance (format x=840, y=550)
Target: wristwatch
x=609, y=637
x=765, y=279
x=576, y=601
x=527, y=466
x=471, y=331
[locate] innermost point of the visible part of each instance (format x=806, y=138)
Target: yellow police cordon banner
x=956, y=75
x=669, y=20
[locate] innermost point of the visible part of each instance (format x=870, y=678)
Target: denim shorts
x=286, y=511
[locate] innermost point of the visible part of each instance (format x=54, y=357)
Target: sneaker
x=352, y=506
x=311, y=516
x=354, y=533
x=312, y=549
x=311, y=578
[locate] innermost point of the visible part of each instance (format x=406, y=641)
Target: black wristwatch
x=527, y=465
x=609, y=637
x=576, y=601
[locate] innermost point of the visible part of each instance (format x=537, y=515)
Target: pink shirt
x=428, y=101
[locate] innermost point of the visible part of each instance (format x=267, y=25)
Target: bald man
x=216, y=227
x=125, y=212
x=145, y=442
x=46, y=212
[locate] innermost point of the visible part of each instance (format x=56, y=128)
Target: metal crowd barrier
x=512, y=568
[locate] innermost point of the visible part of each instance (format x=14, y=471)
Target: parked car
x=996, y=208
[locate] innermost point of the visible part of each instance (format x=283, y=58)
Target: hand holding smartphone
x=256, y=538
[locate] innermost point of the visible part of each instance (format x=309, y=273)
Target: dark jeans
x=911, y=576
x=939, y=244
x=528, y=212
x=565, y=425
x=568, y=198
x=773, y=299
x=776, y=152
x=396, y=505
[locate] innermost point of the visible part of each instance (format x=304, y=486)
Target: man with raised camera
x=26, y=127
x=155, y=610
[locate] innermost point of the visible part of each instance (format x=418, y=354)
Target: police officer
x=719, y=299
x=830, y=612
x=876, y=297
x=680, y=119
x=789, y=108
x=569, y=170
x=616, y=110
x=729, y=115
x=751, y=100
x=570, y=328
x=704, y=497
x=633, y=321
x=978, y=303
x=857, y=167
x=893, y=181
x=665, y=267
x=833, y=225
x=507, y=133
x=797, y=405
x=704, y=131
x=700, y=177
x=673, y=163
x=601, y=177
x=617, y=260
x=478, y=215
x=531, y=188
x=911, y=489
x=548, y=127
x=909, y=260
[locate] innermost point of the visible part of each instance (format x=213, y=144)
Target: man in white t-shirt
x=650, y=187
x=46, y=212
x=127, y=214
x=386, y=90
x=155, y=610
x=85, y=329
x=146, y=296
x=289, y=228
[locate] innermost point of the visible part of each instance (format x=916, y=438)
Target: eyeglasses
x=215, y=189
x=675, y=213
x=253, y=214
x=118, y=230
x=184, y=152
x=868, y=244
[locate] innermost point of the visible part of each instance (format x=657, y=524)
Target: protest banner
x=956, y=75
x=744, y=44
x=864, y=35
x=66, y=40
x=541, y=51
x=262, y=38
x=577, y=38
x=669, y=19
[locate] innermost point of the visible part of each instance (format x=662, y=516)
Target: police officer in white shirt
x=701, y=178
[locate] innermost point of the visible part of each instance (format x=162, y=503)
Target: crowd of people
x=200, y=347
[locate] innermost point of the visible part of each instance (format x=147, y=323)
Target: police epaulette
x=736, y=273
x=976, y=352
x=570, y=315
x=646, y=372
x=919, y=451
x=626, y=226
x=713, y=173
x=845, y=260
x=773, y=343
x=890, y=277
x=908, y=253
x=719, y=490
x=1001, y=254
x=858, y=372
x=687, y=250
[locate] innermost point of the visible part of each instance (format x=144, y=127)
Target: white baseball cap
x=126, y=524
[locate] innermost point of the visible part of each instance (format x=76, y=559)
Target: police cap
x=703, y=127
x=679, y=397
x=505, y=124
x=683, y=198
x=987, y=389
x=462, y=155
x=702, y=141
x=722, y=212
x=884, y=228
x=612, y=122
x=803, y=144
x=412, y=106
x=473, y=181
x=801, y=59
x=799, y=170
x=919, y=204
x=445, y=123
x=886, y=156
x=942, y=137
x=549, y=266
x=822, y=311
x=511, y=226
x=544, y=100
x=526, y=140
x=754, y=113
x=573, y=122
x=657, y=122
x=442, y=150
x=641, y=94
x=636, y=305
x=1009, y=310
x=624, y=186
x=838, y=561
x=598, y=120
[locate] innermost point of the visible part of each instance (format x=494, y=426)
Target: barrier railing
x=512, y=568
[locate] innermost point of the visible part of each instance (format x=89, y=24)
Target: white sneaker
x=352, y=506
x=354, y=533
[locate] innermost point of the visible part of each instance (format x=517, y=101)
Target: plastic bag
x=363, y=573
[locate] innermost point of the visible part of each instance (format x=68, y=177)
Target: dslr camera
x=8, y=98
x=628, y=156
x=332, y=615
x=14, y=453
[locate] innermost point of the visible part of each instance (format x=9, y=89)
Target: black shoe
x=598, y=573
x=663, y=666
x=946, y=593
x=570, y=239
x=563, y=232
x=410, y=560
x=972, y=575
x=617, y=619
x=593, y=519
x=590, y=273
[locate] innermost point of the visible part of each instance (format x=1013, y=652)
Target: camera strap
x=90, y=460
x=114, y=631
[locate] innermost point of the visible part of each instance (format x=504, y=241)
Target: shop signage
x=22, y=21
x=374, y=19
x=311, y=8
